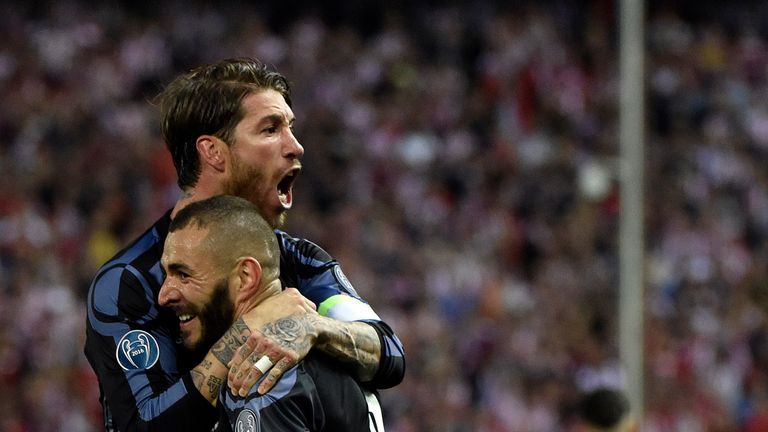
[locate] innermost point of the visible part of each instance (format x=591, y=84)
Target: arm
x=355, y=344
x=320, y=278
x=209, y=375
x=364, y=337
x=351, y=331
x=288, y=340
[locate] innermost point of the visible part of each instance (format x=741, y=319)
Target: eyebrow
x=277, y=118
x=177, y=267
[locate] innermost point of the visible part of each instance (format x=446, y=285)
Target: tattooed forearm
x=225, y=348
x=209, y=375
x=197, y=378
x=214, y=384
x=355, y=343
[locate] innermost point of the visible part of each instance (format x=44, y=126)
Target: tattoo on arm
x=209, y=375
x=292, y=332
x=197, y=378
x=354, y=343
x=225, y=348
x=214, y=384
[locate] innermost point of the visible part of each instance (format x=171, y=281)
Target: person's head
x=606, y=410
x=220, y=258
x=228, y=126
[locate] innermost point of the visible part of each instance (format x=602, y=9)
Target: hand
x=281, y=329
x=288, y=302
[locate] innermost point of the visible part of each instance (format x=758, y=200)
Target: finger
x=237, y=373
x=243, y=352
x=311, y=306
x=249, y=380
x=275, y=373
x=263, y=364
x=260, y=367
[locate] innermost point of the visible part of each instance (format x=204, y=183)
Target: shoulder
x=302, y=250
x=128, y=280
x=144, y=252
x=326, y=372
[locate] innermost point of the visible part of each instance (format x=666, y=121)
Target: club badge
x=137, y=349
x=247, y=422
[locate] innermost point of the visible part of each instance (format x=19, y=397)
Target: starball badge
x=137, y=349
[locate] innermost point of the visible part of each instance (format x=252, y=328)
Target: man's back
x=316, y=395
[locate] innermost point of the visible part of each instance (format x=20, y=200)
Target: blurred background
x=461, y=162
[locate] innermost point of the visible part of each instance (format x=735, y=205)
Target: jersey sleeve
x=310, y=269
x=134, y=357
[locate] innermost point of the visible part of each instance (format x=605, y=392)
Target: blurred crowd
x=461, y=163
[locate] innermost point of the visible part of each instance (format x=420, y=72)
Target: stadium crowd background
x=460, y=163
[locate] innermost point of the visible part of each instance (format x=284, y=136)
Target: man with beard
x=228, y=127
x=221, y=259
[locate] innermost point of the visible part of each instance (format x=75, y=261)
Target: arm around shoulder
x=370, y=346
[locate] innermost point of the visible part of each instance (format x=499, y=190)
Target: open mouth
x=285, y=188
x=185, y=318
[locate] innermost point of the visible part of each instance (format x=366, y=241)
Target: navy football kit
x=133, y=344
x=315, y=395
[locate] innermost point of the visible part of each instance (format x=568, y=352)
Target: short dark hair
x=235, y=229
x=208, y=101
x=604, y=407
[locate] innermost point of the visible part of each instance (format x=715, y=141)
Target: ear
x=212, y=151
x=248, y=278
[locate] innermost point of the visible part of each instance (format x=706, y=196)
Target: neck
x=202, y=190
x=272, y=289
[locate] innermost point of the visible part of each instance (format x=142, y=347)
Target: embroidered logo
x=137, y=349
x=246, y=422
x=343, y=281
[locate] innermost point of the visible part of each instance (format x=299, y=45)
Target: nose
x=292, y=148
x=167, y=294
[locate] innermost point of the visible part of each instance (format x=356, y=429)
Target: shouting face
x=264, y=156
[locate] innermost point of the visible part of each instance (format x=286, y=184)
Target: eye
x=271, y=129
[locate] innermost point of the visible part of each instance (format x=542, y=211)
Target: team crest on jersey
x=137, y=349
x=341, y=278
x=247, y=422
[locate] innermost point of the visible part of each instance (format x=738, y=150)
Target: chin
x=279, y=220
x=275, y=217
x=194, y=353
x=192, y=346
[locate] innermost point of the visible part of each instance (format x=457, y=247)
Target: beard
x=249, y=183
x=215, y=319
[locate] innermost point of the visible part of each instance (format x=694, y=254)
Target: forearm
x=211, y=373
x=354, y=343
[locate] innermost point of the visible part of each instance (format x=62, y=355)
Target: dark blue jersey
x=315, y=395
x=133, y=344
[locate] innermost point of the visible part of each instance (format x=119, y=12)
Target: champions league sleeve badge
x=137, y=349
